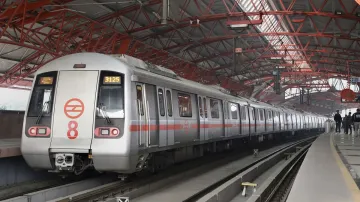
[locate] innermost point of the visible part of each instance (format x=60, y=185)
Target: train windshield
x=42, y=95
x=111, y=96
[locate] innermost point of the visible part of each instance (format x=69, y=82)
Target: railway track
x=152, y=183
x=24, y=188
x=254, y=184
x=140, y=185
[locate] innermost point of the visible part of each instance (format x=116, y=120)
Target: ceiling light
x=338, y=13
x=238, y=26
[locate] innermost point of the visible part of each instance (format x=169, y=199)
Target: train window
x=257, y=114
x=243, y=112
x=140, y=101
x=161, y=102
x=185, y=109
x=169, y=103
x=110, y=96
x=226, y=110
x=269, y=114
x=214, y=109
x=261, y=113
x=205, y=108
x=234, y=110
x=200, y=108
x=42, y=95
x=252, y=113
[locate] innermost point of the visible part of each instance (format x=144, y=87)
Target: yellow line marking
x=345, y=172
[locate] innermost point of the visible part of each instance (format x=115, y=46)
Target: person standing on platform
x=345, y=124
x=356, y=121
x=350, y=123
x=337, y=119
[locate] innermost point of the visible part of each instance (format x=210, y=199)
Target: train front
x=76, y=116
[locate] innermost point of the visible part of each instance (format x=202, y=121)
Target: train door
x=252, y=124
x=143, y=116
x=163, y=117
x=203, y=118
x=74, y=106
x=266, y=120
x=170, y=117
x=151, y=100
x=245, y=124
x=234, y=128
x=226, y=119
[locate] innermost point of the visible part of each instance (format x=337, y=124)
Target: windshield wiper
x=46, y=104
x=104, y=114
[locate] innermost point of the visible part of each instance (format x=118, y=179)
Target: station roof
x=231, y=43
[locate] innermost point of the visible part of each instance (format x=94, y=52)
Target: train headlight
x=104, y=131
x=42, y=131
x=37, y=131
x=60, y=159
x=107, y=132
x=115, y=131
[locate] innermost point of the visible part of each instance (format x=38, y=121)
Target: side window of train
x=169, y=103
x=243, y=112
x=214, y=108
x=226, y=110
x=252, y=113
x=261, y=112
x=200, y=107
x=234, y=110
x=205, y=108
x=161, y=102
x=139, y=96
x=185, y=109
x=257, y=115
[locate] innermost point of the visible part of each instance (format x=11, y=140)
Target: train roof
x=153, y=74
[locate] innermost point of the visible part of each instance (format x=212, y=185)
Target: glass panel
x=205, y=108
x=200, y=108
x=234, y=110
x=214, y=108
x=139, y=96
x=42, y=95
x=111, y=102
x=161, y=102
x=111, y=96
x=40, y=101
x=169, y=103
x=185, y=109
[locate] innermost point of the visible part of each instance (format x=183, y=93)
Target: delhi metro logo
x=73, y=109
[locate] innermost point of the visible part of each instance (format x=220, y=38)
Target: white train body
x=112, y=112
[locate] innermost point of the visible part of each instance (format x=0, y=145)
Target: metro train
x=116, y=113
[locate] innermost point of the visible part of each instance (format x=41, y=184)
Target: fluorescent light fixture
x=338, y=12
x=239, y=26
x=275, y=58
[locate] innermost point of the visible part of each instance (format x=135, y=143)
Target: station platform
x=323, y=176
x=10, y=147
